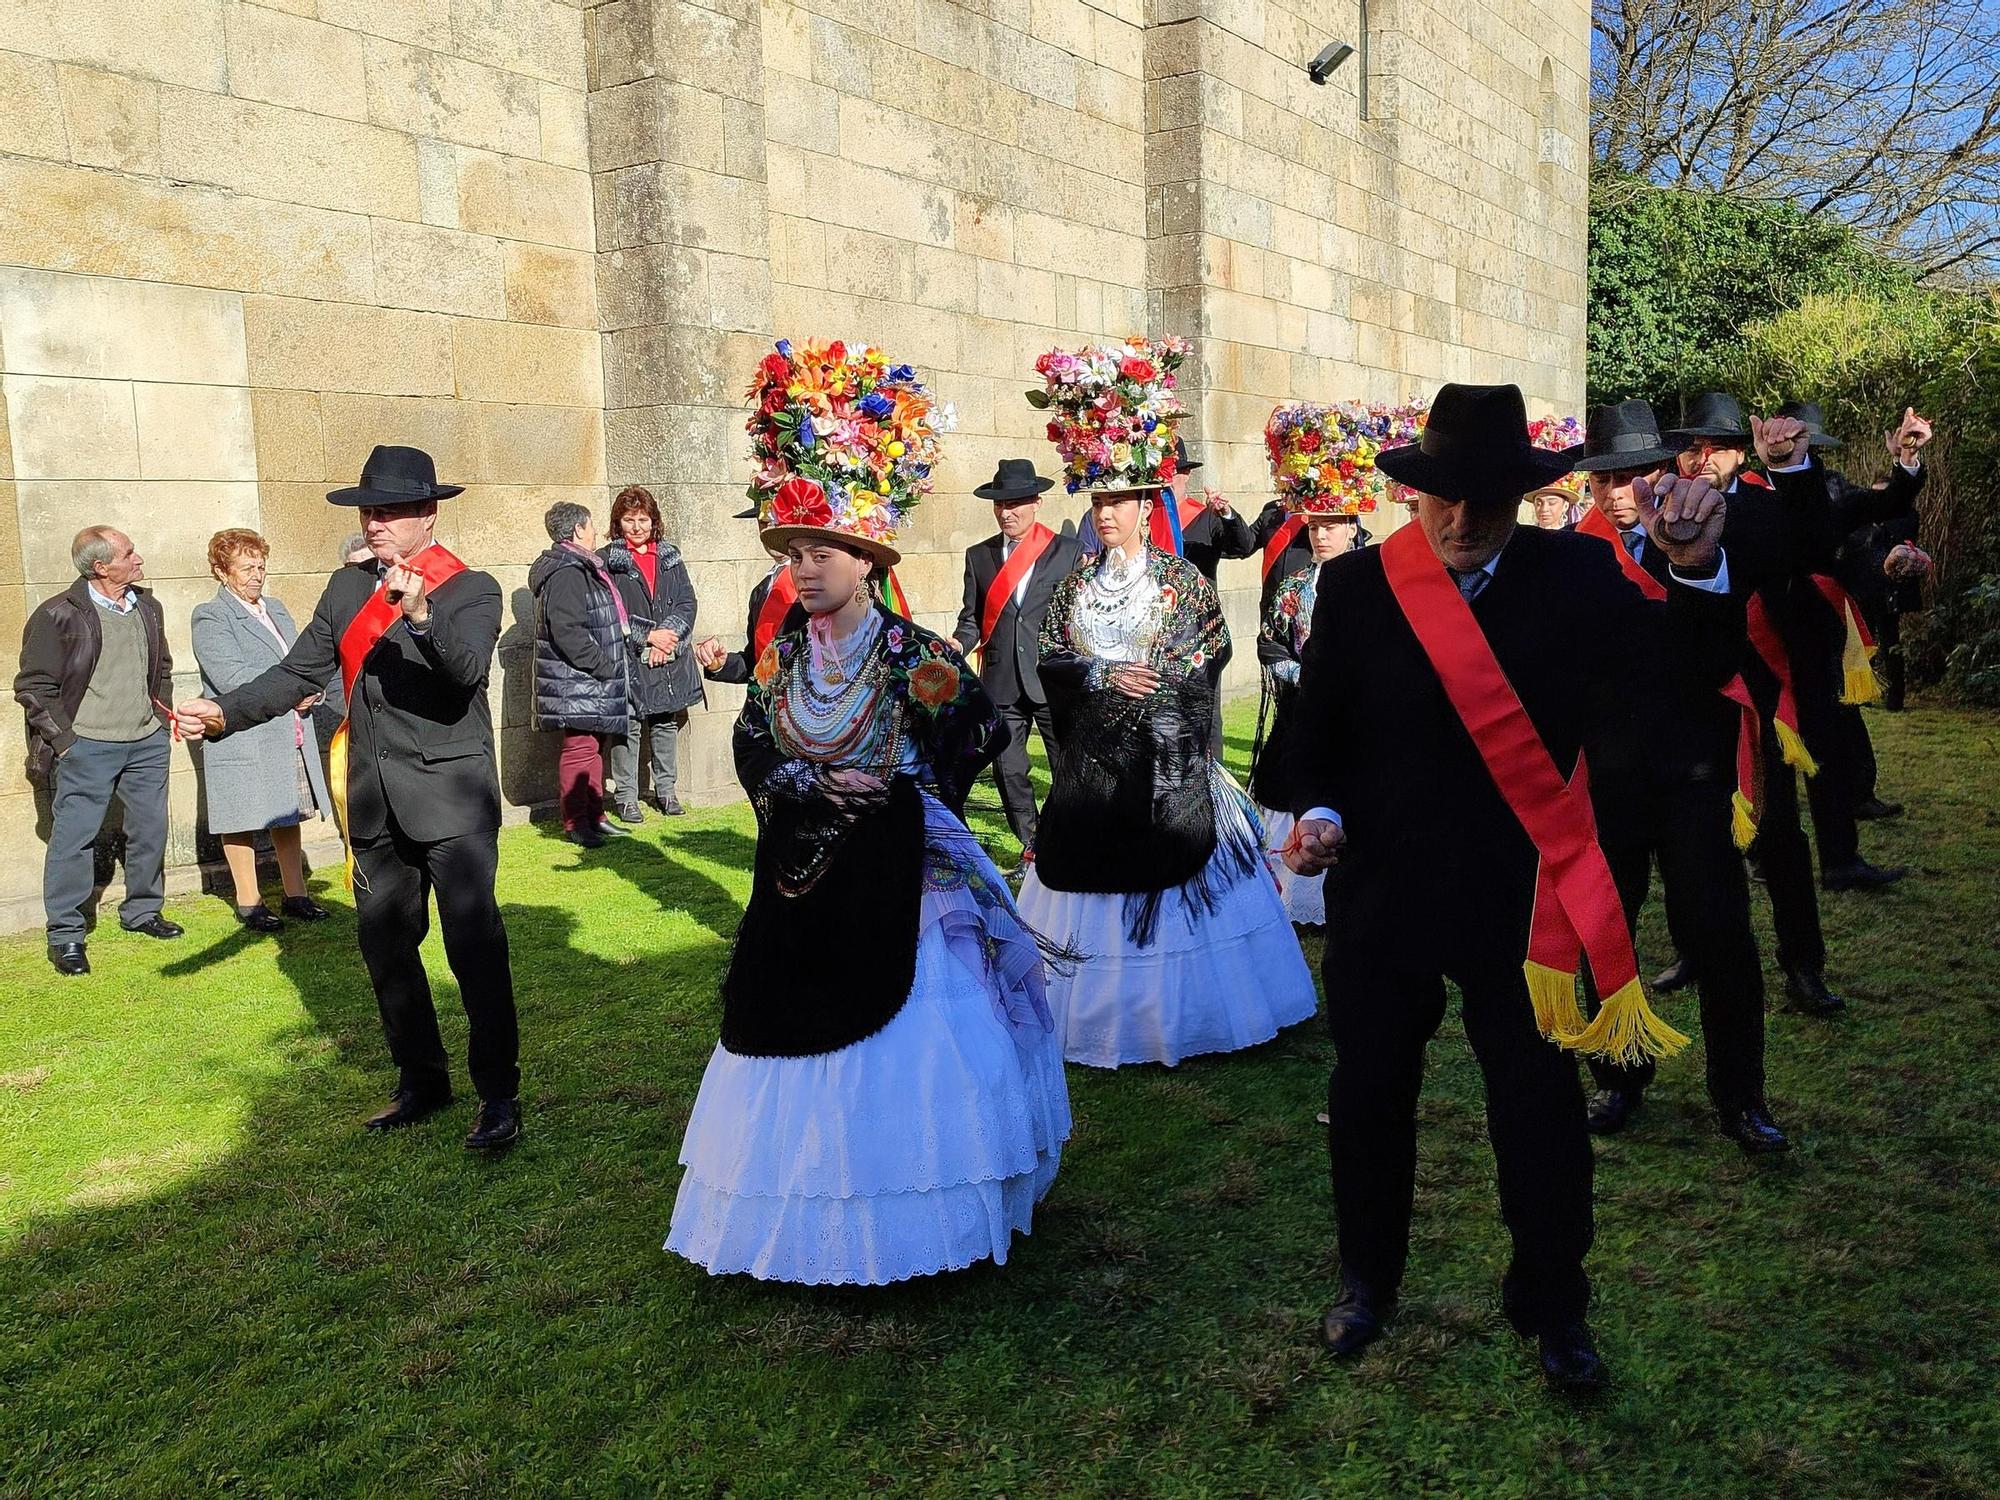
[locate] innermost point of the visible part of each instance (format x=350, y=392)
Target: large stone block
x=299, y=63
x=290, y=441
x=528, y=363
x=649, y=284
x=169, y=522
x=174, y=41
x=447, y=429
x=113, y=121
x=541, y=38
x=422, y=23
x=546, y=285
x=195, y=432
x=52, y=324
x=72, y=429
x=541, y=445
x=565, y=127
x=31, y=108
x=525, y=200
x=281, y=154
x=438, y=270
x=328, y=346
x=666, y=202
x=427, y=93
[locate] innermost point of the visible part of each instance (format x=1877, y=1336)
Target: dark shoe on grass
x=1859, y=875
x=1353, y=1322
x=305, y=909
x=1675, y=976
x=1755, y=1131
x=610, y=830
x=259, y=918
x=69, y=959
x=1570, y=1361
x=1806, y=993
x=671, y=808
x=1874, y=810
x=157, y=927
x=629, y=813
x=586, y=838
x=1609, y=1110
x=498, y=1125
x=406, y=1108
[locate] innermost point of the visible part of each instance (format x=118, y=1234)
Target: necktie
x=1632, y=540
x=1470, y=583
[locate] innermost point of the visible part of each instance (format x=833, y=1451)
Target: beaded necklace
x=847, y=720
x=1118, y=609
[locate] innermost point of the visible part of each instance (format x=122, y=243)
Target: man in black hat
x=1008, y=580
x=1431, y=766
x=1662, y=783
x=766, y=615
x=420, y=796
x=1211, y=529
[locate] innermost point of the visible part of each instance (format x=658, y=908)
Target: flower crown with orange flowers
x=1113, y=412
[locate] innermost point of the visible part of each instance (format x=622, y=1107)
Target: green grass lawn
x=211, y=1279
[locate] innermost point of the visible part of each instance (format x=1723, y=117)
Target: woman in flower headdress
x=1148, y=859
x=887, y=1099
x=1324, y=473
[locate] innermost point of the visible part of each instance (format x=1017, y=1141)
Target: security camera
x=1331, y=56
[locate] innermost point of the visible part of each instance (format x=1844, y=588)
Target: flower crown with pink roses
x=1558, y=434
x=844, y=442
x=1113, y=412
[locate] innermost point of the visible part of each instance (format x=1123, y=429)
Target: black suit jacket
x=736, y=666
x=420, y=730
x=1377, y=741
x=1011, y=669
x=1209, y=538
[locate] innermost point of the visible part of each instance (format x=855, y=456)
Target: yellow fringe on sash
x=1860, y=685
x=336, y=778
x=1742, y=819
x=1554, y=995
x=1794, y=749
x=1625, y=1030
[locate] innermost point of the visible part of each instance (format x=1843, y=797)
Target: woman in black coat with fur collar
x=659, y=596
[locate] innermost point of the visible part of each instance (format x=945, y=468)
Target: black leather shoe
x=1353, y=1322
x=1675, y=976
x=1755, y=1131
x=305, y=909
x=1609, y=1109
x=1875, y=810
x=406, y=1108
x=498, y=1125
x=1859, y=876
x=1570, y=1362
x=672, y=808
x=157, y=927
x=69, y=958
x=259, y=918
x=1806, y=993
x=633, y=814
x=609, y=830
x=586, y=838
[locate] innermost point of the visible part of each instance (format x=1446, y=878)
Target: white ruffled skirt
x=1212, y=980
x=922, y=1148
x=1304, y=895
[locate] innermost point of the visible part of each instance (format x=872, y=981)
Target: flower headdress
x=1113, y=412
x=1319, y=462
x=1558, y=434
x=844, y=444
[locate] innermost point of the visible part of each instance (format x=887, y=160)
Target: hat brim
x=1685, y=436
x=1823, y=440
x=998, y=493
x=360, y=495
x=751, y=514
x=1639, y=458
x=1506, y=476
x=1138, y=491
x=778, y=538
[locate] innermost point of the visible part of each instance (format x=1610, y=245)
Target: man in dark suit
x=1661, y=781
x=1211, y=528
x=1008, y=580
x=1437, y=869
x=421, y=784
x=718, y=665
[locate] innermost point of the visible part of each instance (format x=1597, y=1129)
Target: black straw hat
x=1809, y=413
x=1183, y=464
x=396, y=476
x=1715, y=415
x=1014, y=479
x=1625, y=436
x=1475, y=447
x=751, y=514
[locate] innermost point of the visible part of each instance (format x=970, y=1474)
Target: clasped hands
x=708, y=653
x=854, y=792
x=1683, y=518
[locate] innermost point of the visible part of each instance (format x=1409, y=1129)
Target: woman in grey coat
x=267, y=779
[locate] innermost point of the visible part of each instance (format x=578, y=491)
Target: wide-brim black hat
x=1014, y=479
x=751, y=514
x=1625, y=436
x=1475, y=447
x=1182, y=463
x=1809, y=413
x=396, y=476
x=1715, y=415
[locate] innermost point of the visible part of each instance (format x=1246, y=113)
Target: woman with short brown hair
x=267, y=779
x=659, y=596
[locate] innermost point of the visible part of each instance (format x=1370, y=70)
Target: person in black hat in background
x=1436, y=872
x=1211, y=529
x=421, y=791
x=1661, y=782
x=1005, y=604
x=718, y=665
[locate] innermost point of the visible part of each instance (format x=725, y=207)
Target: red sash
x=1012, y=571
x=1577, y=910
x=363, y=631
x=1745, y=802
x=1857, y=650
x=1274, y=549
x=1770, y=647
x=778, y=600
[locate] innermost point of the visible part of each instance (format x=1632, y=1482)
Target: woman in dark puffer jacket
x=582, y=651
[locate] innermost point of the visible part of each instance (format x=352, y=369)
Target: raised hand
x=405, y=587
x=1781, y=441
x=708, y=653
x=1683, y=518
x=198, y=718
x=1907, y=436
x=1216, y=501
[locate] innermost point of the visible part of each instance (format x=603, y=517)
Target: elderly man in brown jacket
x=95, y=680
